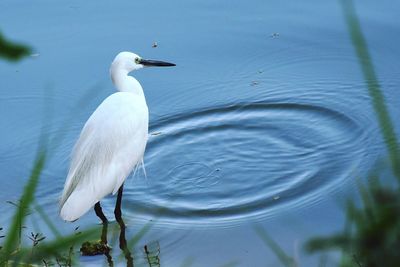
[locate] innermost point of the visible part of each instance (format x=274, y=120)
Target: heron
x=111, y=144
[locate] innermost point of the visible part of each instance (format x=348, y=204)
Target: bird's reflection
x=122, y=243
x=104, y=241
x=151, y=251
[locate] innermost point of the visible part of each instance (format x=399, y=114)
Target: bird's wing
x=111, y=143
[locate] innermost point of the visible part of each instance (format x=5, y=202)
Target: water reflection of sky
x=265, y=119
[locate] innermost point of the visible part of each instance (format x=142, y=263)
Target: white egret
x=111, y=143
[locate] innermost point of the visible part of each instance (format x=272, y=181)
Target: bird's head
x=129, y=61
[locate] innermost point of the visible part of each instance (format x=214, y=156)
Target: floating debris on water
x=254, y=83
x=156, y=133
x=274, y=35
x=154, y=45
x=276, y=197
x=35, y=55
x=94, y=248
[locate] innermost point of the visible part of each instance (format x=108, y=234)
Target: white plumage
x=111, y=143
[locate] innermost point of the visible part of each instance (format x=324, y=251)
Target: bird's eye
x=137, y=60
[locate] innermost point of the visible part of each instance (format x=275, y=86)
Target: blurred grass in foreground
x=13, y=253
x=371, y=237
x=12, y=51
x=372, y=233
x=374, y=88
x=63, y=250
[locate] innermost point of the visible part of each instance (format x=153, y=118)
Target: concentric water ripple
x=244, y=160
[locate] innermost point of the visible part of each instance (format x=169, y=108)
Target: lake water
x=265, y=120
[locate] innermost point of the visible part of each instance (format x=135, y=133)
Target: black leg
x=117, y=210
x=99, y=213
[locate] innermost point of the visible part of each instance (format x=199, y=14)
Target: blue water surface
x=265, y=121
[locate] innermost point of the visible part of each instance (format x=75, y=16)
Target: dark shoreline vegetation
x=370, y=238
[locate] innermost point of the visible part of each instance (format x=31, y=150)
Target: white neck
x=125, y=83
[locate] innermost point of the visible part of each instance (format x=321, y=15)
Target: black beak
x=155, y=63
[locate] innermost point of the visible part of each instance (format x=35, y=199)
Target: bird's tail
x=77, y=204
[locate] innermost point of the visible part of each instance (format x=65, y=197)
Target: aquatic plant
x=372, y=233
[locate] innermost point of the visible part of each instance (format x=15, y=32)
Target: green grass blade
x=374, y=90
x=60, y=245
x=135, y=239
x=187, y=262
x=268, y=241
x=47, y=220
x=11, y=242
x=230, y=264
